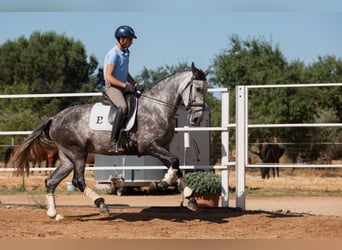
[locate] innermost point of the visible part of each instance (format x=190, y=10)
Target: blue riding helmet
x=125, y=31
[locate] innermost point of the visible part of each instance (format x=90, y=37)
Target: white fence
x=242, y=127
x=241, y=131
x=224, y=130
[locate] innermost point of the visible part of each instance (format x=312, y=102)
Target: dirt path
x=285, y=218
x=330, y=206
x=160, y=217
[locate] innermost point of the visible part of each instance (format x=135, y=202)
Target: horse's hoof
x=187, y=192
x=59, y=217
x=152, y=188
x=163, y=185
x=104, y=210
x=192, y=204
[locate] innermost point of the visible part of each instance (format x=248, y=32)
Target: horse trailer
x=121, y=174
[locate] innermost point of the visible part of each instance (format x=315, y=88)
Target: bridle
x=191, y=101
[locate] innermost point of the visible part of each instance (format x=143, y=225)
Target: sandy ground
x=329, y=206
x=84, y=222
x=23, y=215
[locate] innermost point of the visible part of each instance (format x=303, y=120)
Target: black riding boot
x=115, y=144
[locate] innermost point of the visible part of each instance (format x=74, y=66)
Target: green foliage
x=203, y=182
x=53, y=63
x=256, y=61
x=44, y=63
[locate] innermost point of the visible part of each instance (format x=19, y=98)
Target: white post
x=241, y=129
x=186, y=145
x=225, y=149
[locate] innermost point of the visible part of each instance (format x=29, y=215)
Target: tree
x=253, y=61
x=45, y=63
x=256, y=61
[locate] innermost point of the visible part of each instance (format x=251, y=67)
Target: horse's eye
x=198, y=89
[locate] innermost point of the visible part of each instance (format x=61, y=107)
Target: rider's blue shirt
x=120, y=60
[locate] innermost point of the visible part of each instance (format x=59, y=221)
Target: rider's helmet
x=124, y=31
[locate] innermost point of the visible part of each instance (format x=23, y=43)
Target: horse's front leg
x=173, y=173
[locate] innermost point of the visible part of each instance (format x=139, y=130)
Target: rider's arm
x=111, y=79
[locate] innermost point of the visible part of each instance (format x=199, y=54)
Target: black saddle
x=131, y=105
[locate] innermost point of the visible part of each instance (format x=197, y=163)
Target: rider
x=118, y=79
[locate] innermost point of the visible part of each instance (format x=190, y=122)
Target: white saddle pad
x=99, y=118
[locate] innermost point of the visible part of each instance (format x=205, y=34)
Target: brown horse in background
x=269, y=153
x=50, y=156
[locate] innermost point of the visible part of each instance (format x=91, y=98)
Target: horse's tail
x=39, y=137
x=8, y=153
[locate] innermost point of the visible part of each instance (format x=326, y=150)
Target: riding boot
x=115, y=145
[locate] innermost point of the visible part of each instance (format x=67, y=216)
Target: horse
x=269, y=153
x=47, y=155
x=43, y=154
x=69, y=131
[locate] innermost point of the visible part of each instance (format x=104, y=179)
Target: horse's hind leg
x=78, y=180
x=277, y=172
x=51, y=183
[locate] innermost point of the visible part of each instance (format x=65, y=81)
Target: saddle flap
x=112, y=114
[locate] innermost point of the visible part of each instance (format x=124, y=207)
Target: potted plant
x=206, y=187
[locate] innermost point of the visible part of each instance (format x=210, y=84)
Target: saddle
x=103, y=113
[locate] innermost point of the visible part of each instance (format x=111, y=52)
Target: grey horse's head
x=194, y=95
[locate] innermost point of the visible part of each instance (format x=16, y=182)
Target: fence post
x=225, y=149
x=241, y=137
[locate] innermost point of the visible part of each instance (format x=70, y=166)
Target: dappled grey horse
x=69, y=131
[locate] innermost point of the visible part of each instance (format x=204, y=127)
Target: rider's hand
x=140, y=89
x=129, y=89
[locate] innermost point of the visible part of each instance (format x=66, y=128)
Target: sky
x=178, y=31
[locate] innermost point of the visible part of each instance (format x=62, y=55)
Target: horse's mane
x=169, y=76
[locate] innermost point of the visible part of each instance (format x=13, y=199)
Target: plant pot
x=207, y=200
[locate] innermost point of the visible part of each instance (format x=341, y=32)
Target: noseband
x=191, y=101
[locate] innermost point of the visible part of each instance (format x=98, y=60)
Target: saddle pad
x=99, y=117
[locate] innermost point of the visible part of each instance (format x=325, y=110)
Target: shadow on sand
x=217, y=215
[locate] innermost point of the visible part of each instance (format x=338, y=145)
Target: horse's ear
x=193, y=68
x=207, y=71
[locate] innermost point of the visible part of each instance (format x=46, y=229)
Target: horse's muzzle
x=196, y=118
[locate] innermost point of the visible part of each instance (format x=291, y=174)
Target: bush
x=203, y=182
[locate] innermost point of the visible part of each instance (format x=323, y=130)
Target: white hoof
x=187, y=192
x=59, y=217
x=51, y=213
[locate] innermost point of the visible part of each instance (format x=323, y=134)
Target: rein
x=190, y=104
x=159, y=101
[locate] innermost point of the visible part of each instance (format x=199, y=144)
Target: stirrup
x=116, y=148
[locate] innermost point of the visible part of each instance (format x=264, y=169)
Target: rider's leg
x=115, y=145
x=119, y=101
